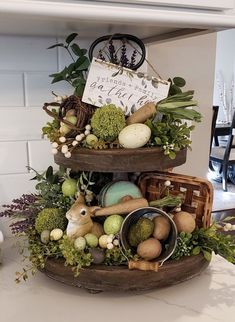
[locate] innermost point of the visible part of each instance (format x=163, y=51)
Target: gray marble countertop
x=209, y=297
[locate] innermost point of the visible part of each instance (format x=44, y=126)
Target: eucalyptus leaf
x=84, y=65
x=49, y=172
x=76, y=50
x=179, y=81
x=57, y=79
x=56, y=45
x=172, y=155
x=207, y=255
x=196, y=250
x=71, y=37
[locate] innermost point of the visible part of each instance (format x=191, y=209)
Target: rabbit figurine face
x=79, y=217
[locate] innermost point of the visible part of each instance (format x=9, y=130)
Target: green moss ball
x=49, y=219
x=107, y=122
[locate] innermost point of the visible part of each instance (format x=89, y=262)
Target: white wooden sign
x=111, y=84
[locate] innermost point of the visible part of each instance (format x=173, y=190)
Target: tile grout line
x=27, y=156
x=57, y=55
x=25, y=91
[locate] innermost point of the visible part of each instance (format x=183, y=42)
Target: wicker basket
x=83, y=112
x=196, y=193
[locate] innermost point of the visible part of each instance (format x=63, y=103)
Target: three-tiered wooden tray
x=197, y=199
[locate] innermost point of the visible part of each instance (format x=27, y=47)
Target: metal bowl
x=149, y=212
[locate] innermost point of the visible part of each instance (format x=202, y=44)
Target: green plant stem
x=70, y=53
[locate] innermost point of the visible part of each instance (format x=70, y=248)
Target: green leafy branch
x=171, y=134
x=51, y=129
x=205, y=240
x=75, y=74
x=49, y=188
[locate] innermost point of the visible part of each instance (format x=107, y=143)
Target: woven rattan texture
x=196, y=193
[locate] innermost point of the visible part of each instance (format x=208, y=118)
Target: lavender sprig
x=25, y=209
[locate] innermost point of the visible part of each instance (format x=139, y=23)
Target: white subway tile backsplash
x=40, y=156
x=14, y=185
x=11, y=89
x=13, y=157
x=39, y=88
x=22, y=123
x=27, y=53
x=25, y=65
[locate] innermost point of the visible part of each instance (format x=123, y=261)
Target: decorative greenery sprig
x=176, y=84
x=35, y=254
x=49, y=189
x=169, y=201
x=22, y=211
x=51, y=129
x=39, y=253
x=74, y=258
x=171, y=134
x=206, y=240
x=75, y=74
x=118, y=256
x=176, y=106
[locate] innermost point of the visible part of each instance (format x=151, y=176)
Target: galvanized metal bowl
x=149, y=212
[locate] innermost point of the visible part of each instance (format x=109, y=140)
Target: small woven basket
x=83, y=112
x=196, y=193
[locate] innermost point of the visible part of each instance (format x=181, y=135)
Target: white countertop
x=209, y=297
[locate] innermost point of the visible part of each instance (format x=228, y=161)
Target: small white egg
x=68, y=155
x=134, y=136
x=56, y=234
x=109, y=240
x=116, y=242
x=110, y=246
x=54, y=151
x=54, y=145
x=64, y=148
x=228, y=226
x=62, y=139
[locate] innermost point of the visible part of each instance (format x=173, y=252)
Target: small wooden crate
x=196, y=193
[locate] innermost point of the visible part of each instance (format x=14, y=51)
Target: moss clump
x=140, y=231
x=107, y=122
x=50, y=218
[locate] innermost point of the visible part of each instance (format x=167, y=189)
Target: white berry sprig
x=67, y=145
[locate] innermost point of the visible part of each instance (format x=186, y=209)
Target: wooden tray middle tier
x=120, y=160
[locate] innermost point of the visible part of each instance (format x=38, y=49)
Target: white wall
x=225, y=63
x=194, y=59
x=25, y=64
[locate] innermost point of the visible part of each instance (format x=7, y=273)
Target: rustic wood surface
x=120, y=160
x=119, y=278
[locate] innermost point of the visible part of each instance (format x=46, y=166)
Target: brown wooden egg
x=184, y=222
x=162, y=228
x=149, y=249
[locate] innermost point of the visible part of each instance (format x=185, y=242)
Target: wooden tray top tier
x=120, y=160
x=98, y=278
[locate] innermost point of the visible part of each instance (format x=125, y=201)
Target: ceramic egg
x=134, y=136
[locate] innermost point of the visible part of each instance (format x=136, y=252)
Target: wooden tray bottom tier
x=120, y=278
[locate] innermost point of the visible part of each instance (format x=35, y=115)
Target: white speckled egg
x=134, y=136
